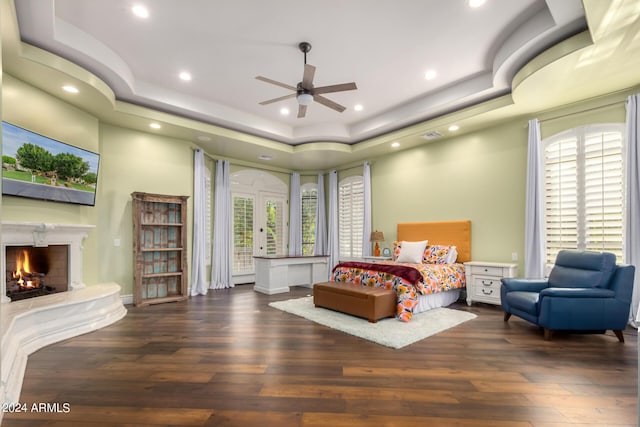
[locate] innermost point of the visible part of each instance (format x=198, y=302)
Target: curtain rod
x=273, y=168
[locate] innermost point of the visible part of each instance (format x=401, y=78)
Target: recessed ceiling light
x=454, y=128
x=185, y=76
x=140, y=11
x=70, y=89
x=476, y=3
x=265, y=157
x=203, y=138
x=430, y=74
x=395, y=144
x=155, y=126
x=284, y=111
x=358, y=107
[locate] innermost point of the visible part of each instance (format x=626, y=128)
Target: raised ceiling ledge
x=511, y=50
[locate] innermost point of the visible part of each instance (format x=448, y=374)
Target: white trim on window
x=584, y=190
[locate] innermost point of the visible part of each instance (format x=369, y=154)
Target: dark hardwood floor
x=228, y=359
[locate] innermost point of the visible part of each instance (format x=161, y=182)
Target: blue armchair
x=585, y=291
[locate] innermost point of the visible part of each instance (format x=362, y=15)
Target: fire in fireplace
x=35, y=271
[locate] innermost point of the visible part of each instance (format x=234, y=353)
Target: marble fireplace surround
x=42, y=234
x=28, y=325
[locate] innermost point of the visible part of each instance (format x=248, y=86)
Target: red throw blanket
x=409, y=274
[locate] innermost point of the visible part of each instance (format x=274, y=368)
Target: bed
x=419, y=286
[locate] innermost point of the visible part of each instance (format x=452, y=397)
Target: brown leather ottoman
x=357, y=300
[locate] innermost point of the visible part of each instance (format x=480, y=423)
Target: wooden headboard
x=453, y=233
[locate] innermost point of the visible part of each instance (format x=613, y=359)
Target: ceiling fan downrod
x=304, y=48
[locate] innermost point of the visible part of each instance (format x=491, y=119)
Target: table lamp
x=376, y=236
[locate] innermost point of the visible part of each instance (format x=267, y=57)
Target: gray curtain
x=221, y=269
x=366, y=230
x=333, y=243
x=295, y=216
x=321, y=221
x=534, y=238
x=199, y=256
x=632, y=198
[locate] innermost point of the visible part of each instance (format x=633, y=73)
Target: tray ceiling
x=386, y=47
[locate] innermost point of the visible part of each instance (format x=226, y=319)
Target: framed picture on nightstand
x=386, y=252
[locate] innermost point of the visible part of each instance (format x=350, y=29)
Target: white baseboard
x=127, y=299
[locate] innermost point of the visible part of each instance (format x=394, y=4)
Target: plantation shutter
x=584, y=192
x=309, y=203
x=351, y=216
x=207, y=220
x=561, y=197
x=603, y=192
x=275, y=226
x=242, y=233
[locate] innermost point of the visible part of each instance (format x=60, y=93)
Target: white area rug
x=389, y=332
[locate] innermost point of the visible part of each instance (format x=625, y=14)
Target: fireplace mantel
x=45, y=234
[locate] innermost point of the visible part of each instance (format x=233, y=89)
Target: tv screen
x=38, y=167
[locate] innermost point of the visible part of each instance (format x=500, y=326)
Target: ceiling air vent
x=432, y=135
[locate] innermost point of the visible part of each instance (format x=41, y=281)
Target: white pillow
x=412, y=252
x=452, y=255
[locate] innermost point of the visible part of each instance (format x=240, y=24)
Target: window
x=274, y=209
x=242, y=233
x=351, y=216
x=309, y=203
x=584, y=190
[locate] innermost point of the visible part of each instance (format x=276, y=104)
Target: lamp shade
x=305, y=99
x=376, y=236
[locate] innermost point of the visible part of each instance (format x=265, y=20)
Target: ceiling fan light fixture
x=305, y=98
x=305, y=92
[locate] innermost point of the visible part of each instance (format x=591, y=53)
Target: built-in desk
x=274, y=274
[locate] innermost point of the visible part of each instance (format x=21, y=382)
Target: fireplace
x=35, y=271
x=53, y=257
x=30, y=324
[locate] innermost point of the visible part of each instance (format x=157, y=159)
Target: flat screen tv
x=38, y=167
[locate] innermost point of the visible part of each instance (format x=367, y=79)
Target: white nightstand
x=483, y=280
x=375, y=258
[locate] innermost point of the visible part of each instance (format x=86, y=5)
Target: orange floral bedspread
x=434, y=278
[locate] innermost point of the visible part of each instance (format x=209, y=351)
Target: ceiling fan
x=305, y=93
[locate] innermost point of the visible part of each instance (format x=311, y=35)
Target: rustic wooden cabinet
x=159, y=248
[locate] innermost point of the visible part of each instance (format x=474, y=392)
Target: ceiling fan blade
x=302, y=111
x=307, y=77
x=273, y=82
x=328, y=103
x=335, y=88
x=282, y=98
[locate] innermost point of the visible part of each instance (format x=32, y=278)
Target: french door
x=271, y=225
x=259, y=228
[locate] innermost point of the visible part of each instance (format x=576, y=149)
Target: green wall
x=135, y=161
x=40, y=112
x=129, y=161
x=479, y=176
